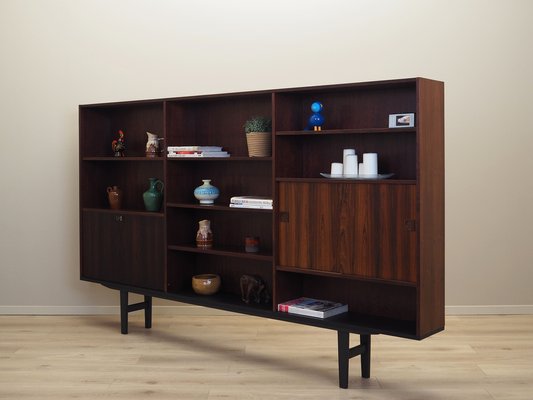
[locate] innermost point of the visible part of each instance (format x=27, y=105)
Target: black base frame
x=343, y=337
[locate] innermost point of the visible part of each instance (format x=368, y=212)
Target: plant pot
x=259, y=144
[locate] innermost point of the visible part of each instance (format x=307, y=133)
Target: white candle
x=336, y=168
x=370, y=160
x=345, y=153
x=350, y=165
x=361, y=169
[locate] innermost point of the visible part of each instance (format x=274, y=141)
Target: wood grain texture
x=350, y=229
x=184, y=357
x=130, y=250
x=430, y=109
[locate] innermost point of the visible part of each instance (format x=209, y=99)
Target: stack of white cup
x=351, y=168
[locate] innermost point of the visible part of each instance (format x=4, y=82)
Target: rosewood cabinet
x=124, y=248
x=374, y=244
x=364, y=230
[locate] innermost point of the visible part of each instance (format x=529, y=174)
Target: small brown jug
x=114, y=194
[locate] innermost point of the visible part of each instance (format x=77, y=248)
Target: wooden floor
x=238, y=357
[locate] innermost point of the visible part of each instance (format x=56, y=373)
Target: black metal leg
x=126, y=308
x=345, y=353
x=365, y=356
x=343, y=342
x=123, y=311
x=148, y=312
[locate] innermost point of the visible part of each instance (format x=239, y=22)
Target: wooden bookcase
x=376, y=245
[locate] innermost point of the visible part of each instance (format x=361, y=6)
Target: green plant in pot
x=258, y=136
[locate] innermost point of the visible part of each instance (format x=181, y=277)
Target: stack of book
x=196, y=151
x=312, y=307
x=251, y=202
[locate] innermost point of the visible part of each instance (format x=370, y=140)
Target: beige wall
x=57, y=54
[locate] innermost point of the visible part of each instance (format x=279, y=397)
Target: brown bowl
x=206, y=284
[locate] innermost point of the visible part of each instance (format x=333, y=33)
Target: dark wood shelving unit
x=376, y=245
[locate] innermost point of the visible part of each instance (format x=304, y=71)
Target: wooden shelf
x=326, y=132
x=221, y=300
x=125, y=212
x=347, y=321
x=216, y=207
x=230, y=159
x=223, y=251
x=350, y=322
x=374, y=181
x=343, y=276
x=123, y=159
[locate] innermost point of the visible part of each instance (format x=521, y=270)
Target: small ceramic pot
x=206, y=284
x=114, y=195
x=251, y=244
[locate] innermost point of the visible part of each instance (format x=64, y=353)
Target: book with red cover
x=312, y=307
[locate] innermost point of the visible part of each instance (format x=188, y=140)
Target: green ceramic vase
x=154, y=195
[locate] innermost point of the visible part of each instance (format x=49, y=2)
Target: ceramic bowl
x=206, y=284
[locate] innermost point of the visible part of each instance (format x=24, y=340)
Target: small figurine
x=119, y=145
x=253, y=288
x=316, y=119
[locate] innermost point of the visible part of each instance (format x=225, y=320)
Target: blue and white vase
x=206, y=193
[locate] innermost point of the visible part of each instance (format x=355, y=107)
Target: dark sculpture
x=119, y=145
x=253, y=288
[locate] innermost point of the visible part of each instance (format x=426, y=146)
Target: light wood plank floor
x=239, y=357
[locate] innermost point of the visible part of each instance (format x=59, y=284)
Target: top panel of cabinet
x=218, y=119
x=345, y=106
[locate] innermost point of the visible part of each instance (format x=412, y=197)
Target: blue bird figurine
x=316, y=119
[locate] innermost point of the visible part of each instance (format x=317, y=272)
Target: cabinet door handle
x=410, y=225
x=284, y=216
x=119, y=218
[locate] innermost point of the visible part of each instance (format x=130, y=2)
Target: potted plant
x=258, y=136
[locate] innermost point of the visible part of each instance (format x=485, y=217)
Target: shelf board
x=123, y=159
x=221, y=300
x=125, y=212
x=356, y=323
x=325, y=180
x=199, y=159
x=223, y=251
x=215, y=207
x=343, y=276
x=350, y=322
x=346, y=131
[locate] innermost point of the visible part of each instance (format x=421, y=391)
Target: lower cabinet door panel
x=123, y=248
x=366, y=230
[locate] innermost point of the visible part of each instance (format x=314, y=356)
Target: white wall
x=56, y=54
